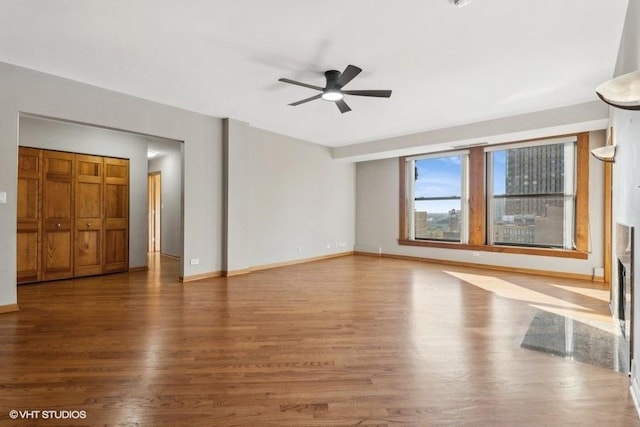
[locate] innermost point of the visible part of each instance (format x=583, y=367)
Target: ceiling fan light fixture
x=333, y=89
x=332, y=95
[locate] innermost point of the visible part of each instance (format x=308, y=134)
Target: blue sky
x=499, y=171
x=440, y=177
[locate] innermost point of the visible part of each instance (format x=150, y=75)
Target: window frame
x=464, y=193
x=477, y=215
x=569, y=193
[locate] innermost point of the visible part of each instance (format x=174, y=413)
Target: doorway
x=154, y=189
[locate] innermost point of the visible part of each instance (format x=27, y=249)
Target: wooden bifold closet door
x=116, y=217
x=73, y=215
x=57, y=215
x=89, y=210
x=29, y=212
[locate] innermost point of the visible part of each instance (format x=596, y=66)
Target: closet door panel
x=28, y=249
x=116, y=218
x=28, y=214
x=88, y=259
x=116, y=240
x=57, y=215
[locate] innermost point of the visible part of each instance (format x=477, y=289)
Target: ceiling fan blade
x=318, y=96
x=293, y=82
x=348, y=74
x=342, y=106
x=376, y=93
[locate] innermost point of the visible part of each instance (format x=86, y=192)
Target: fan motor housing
x=332, y=77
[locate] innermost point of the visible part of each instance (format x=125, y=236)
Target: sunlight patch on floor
x=600, y=294
x=540, y=300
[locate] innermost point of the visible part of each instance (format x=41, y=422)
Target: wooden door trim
x=154, y=221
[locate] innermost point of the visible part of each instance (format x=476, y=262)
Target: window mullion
x=569, y=195
x=490, y=200
x=464, y=202
x=411, y=202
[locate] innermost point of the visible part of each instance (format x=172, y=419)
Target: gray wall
x=36, y=93
x=236, y=153
x=626, y=174
x=377, y=221
x=170, y=168
x=301, y=202
x=60, y=136
x=287, y=199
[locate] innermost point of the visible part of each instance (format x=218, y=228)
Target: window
x=527, y=198
x=530, y=194
x=438, y=204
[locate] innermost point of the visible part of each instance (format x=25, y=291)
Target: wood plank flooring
x=349, y=341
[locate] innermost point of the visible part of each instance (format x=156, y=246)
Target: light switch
x=3, y=197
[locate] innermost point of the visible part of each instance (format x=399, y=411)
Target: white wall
x=301, y=203
x=236, y=219
x=60, y=136
x=626, y=200
x=41, y=94
x=626, y=173
x=377, y=221
x=170, y=168
x=287, y=199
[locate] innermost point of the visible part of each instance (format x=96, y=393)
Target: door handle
x=58, y=225
x=88, y=224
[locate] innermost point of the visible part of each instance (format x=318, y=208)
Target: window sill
x=559, y=253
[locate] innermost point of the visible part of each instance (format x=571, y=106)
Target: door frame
x=154, y=198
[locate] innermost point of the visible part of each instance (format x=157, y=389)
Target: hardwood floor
x=349, y=341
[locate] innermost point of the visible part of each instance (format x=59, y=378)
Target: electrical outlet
x=3, y=197
x=475, y=253
x=195, y=261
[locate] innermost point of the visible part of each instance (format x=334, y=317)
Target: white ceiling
x=446, y=66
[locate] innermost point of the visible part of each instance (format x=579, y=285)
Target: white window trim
x=411, y=202
x=464, y=191
x=570, y=184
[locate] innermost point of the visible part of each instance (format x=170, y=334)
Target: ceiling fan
x=333, y=89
